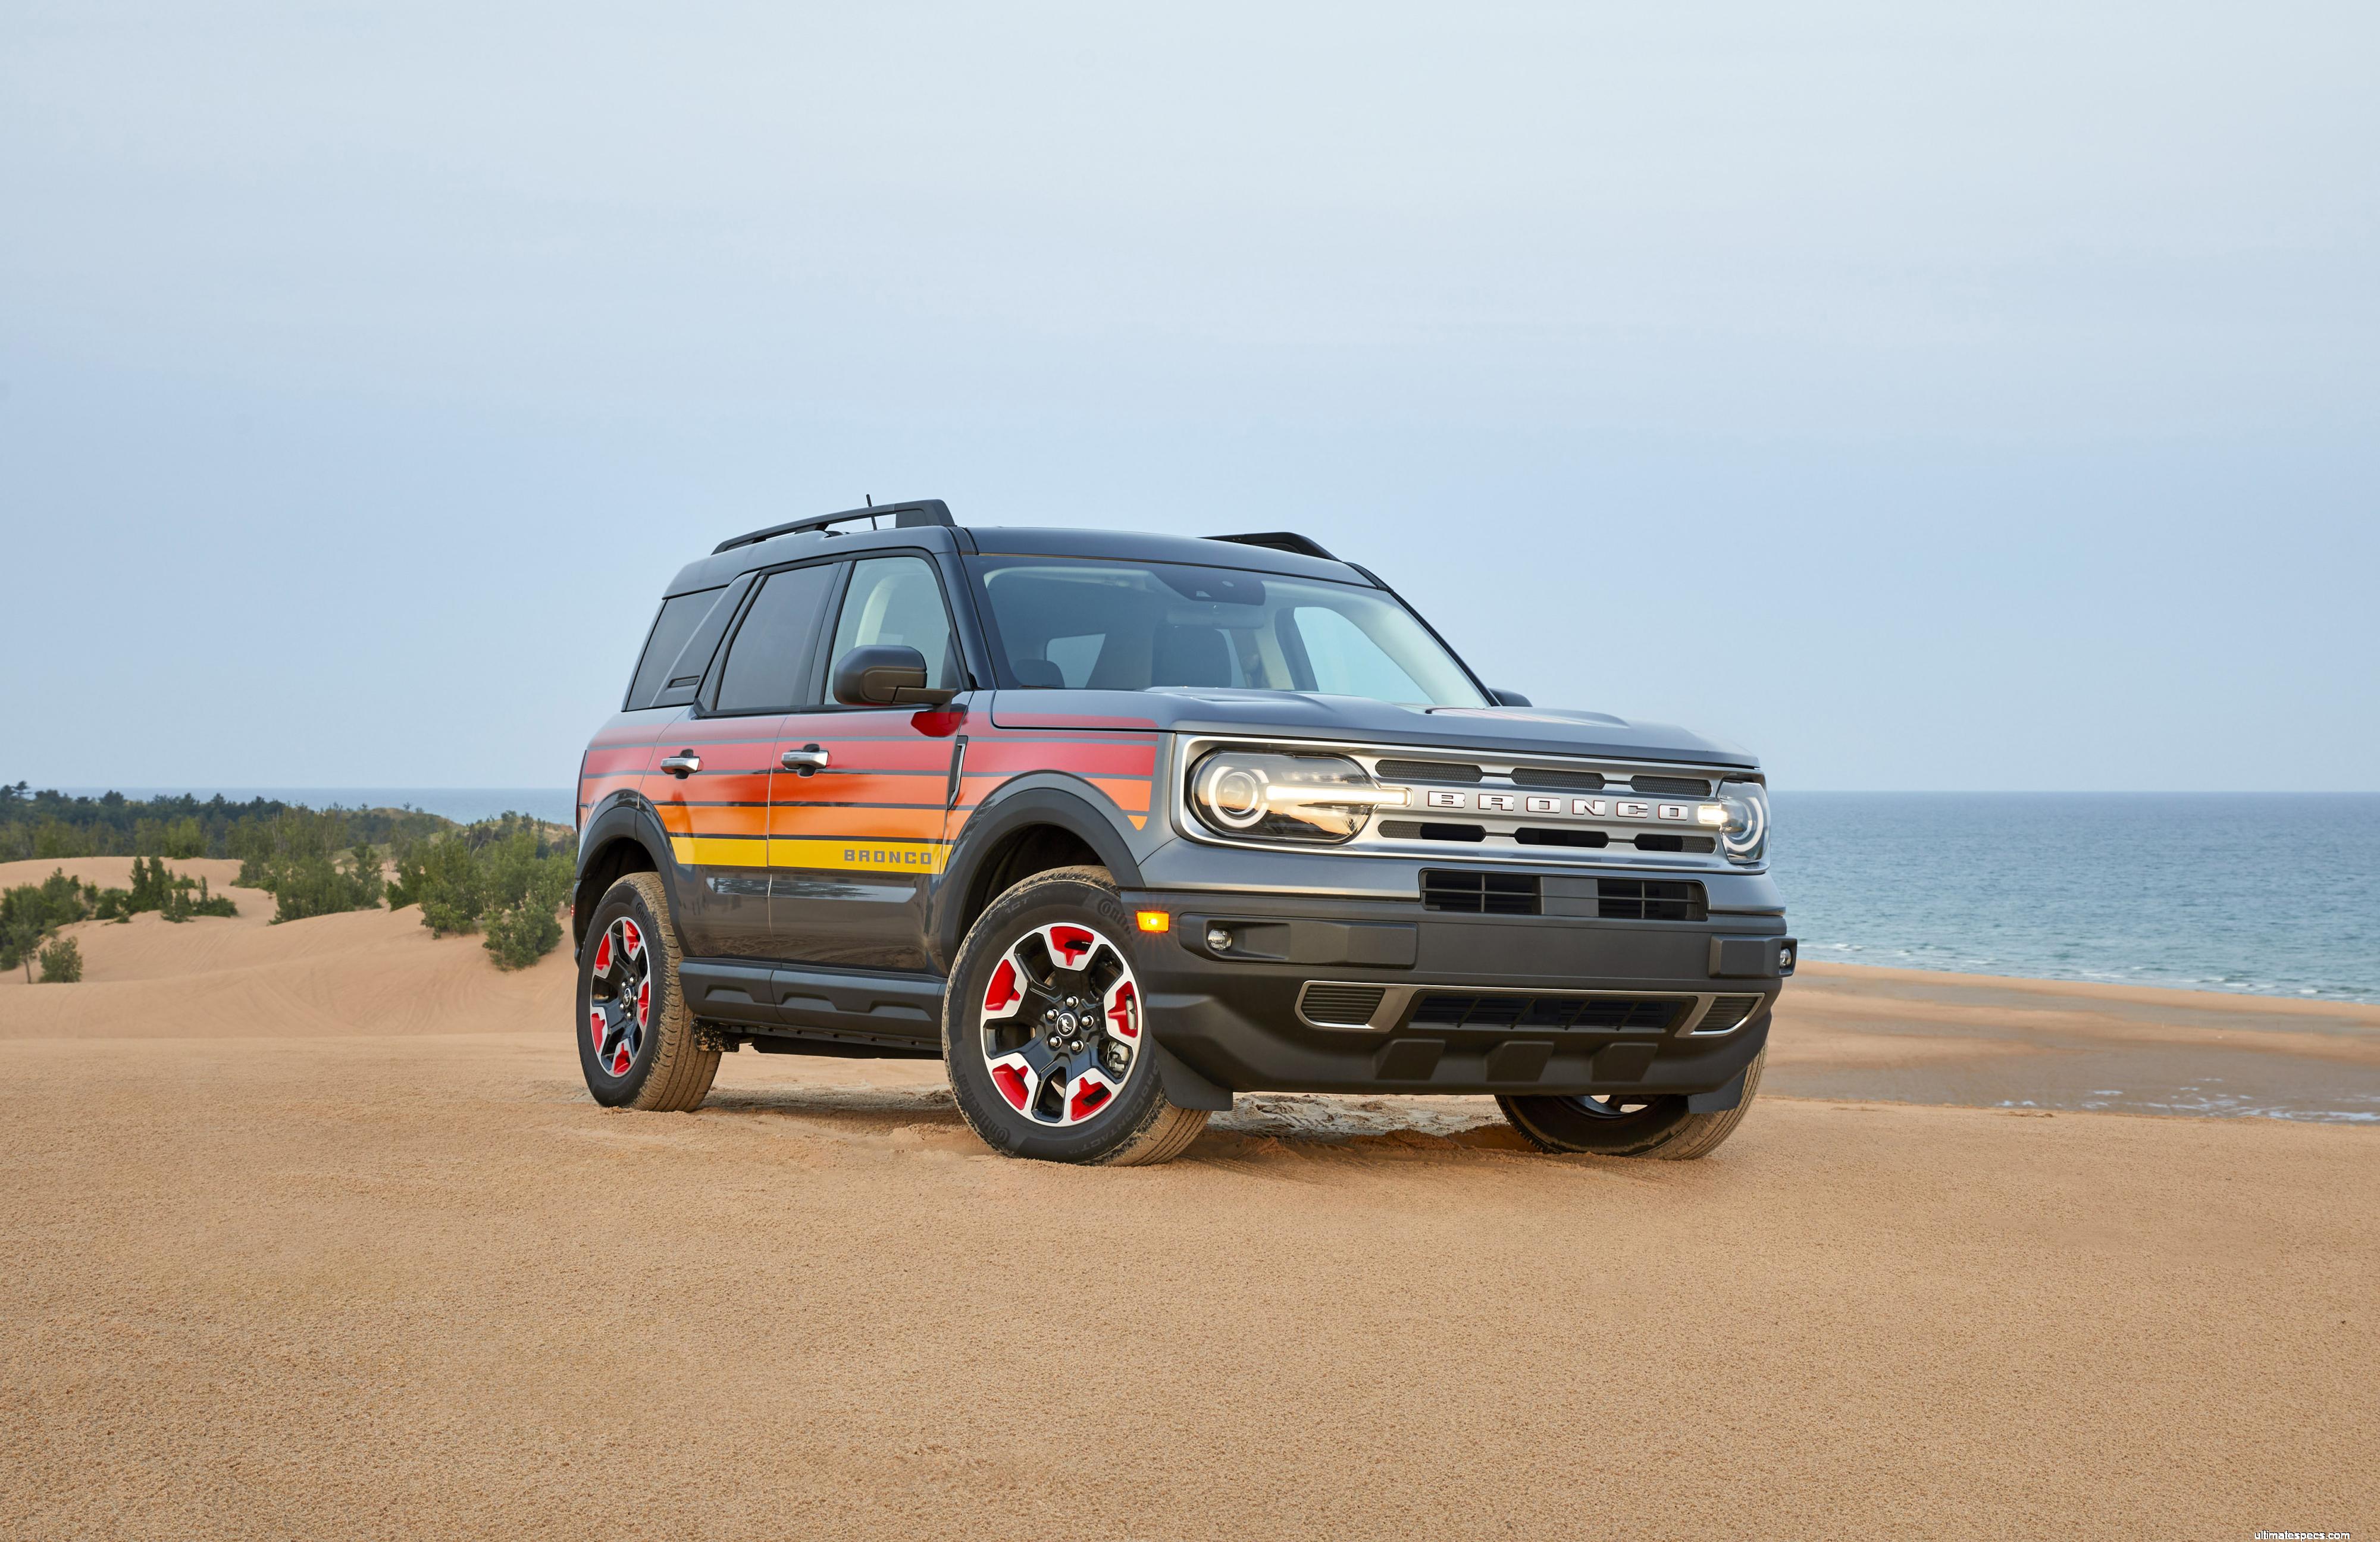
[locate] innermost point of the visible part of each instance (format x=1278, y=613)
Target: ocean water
x=465, y=804
x=2268, y=893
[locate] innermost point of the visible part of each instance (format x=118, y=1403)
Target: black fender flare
x=625, y=817
x=998, y=817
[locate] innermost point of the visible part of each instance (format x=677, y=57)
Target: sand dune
x=313, y=1231
x=365, y=972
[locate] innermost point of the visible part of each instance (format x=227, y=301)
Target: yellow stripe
x=905, y=857
x=710, y=851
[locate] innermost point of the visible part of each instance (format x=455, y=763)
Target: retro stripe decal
x=899, y=856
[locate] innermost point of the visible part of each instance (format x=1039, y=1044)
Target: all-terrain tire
x=667, y=1070
x=1135, y=1124
x=1662, y=1129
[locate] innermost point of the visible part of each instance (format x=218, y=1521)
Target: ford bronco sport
x=1118, y=825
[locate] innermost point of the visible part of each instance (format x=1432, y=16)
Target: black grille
x=1351, y=1005
x=1724, y=1012
x=1533, y=837
x=1683, y=786
x=1479, y=893
x=1540, y=776
x=1427, y=771
x=1449, y=1008
x=1414, y=830
x=1646, y=898
x=1650, y=841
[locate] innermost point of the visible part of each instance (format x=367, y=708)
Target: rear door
x=854, y=843
x=718, y=815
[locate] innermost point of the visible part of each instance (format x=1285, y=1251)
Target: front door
x=855, y=818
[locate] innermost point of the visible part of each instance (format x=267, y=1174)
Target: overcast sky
x=1925, y=399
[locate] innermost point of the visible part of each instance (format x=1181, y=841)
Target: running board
x=872, y=1012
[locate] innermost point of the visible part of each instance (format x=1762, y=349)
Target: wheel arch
x=1023, y=832
x=623, y=837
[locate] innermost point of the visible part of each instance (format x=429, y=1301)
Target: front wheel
x=1616, y=1124
x=1045, y=1032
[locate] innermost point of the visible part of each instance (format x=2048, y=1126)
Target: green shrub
x=62, y=961
x=319, y=884
x=507, y=876
x=521, y=934
x=30, y=912
x=155, y=888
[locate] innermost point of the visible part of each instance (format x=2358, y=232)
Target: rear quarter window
x=681, y=613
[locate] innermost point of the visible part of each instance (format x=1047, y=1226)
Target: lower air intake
x=1725, y=1015
x=1474, y=893
x=1643, y=899
x=1340, y=1006
x=1449, y=1008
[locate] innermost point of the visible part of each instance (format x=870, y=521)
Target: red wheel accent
x=1060, y=1025
x=1123, y=1015
x=1004, y=993
x=1085, y=1099
x=620, y=991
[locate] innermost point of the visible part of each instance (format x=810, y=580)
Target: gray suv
x=1118, y=825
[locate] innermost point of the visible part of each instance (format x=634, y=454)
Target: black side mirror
x=885, y=674
x=1509, y=698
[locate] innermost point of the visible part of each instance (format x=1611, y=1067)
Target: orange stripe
x=741, y=820
x=874, y=824
x=1132, y=796
x=1130, y=793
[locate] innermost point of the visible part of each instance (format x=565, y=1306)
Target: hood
x=1306, y=715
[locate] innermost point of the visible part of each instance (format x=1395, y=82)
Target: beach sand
x=311, y=1231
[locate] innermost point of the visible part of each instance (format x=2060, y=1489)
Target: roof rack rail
x=1282, y=540
x=924, y=511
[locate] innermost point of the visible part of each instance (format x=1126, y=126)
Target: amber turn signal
x=1153, y=920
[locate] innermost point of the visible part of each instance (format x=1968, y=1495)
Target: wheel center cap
x=1068, y=1020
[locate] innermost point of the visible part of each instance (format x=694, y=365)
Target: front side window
x=898, y=601
x=768, y=667
x=1104, y=624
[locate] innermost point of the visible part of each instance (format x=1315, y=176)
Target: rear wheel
x=636, y=1043
x=1045, y=1033
x=1619, y=1124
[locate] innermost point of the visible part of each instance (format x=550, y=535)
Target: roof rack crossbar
x=1281, y=540
x=924, y=511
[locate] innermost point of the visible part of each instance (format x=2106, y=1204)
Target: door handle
x=807, y=759
x=684, y=763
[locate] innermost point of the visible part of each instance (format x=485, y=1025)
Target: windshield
x=1110, y=625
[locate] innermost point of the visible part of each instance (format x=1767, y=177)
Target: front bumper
x=1468, y=1004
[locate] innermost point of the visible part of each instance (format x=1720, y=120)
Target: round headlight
x=1324, y=798
x=1745, y=836
x=1233, y=794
